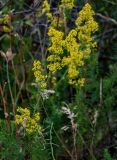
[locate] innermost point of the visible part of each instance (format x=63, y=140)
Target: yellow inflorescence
x=86, y=25
x=68, y=51
x=39, y=74
x=6, y=29
x=46, y=9
x=30, y=124
x=56, y=49
x=6, y=19
x=6, y=22
x=74, y=58
x=67, y=4
x=81, y=81
x=78, y=43
x=57, y=42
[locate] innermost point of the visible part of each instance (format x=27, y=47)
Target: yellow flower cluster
x=56, y=49
x=39, y=74
x=6, y=22
x=86, y=25
x=78, y=43
x=46, y=9
x=57, y=42
x=6, y=29
x=67, y=4
x=81, y=81
x=74, y=58
x=30, y=124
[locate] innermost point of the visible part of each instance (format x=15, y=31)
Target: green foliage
x=9, y=146
x=107, y=155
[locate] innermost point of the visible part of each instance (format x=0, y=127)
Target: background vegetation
x=47, y=113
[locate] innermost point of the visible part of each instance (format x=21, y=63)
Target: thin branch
x=10, y=89
x=5, y=108
x=106, y=18
x=19, y=92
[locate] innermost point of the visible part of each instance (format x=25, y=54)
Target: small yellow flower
x=81, y=82
x=46, y=9
x=6, y=29
x=7, y=20
x=39, y=74
x=23, y=118
x=67, y=4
